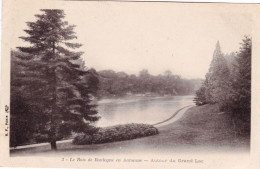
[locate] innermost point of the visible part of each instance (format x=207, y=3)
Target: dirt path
x=176, y=115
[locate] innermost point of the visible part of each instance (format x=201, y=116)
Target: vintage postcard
x=123, y=84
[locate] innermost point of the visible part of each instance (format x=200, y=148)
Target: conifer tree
x=54, y=84
x=217, y=77
x=216, y=82
x=240, y=104
x=22, y=123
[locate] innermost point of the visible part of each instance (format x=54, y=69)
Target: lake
x=139, y=109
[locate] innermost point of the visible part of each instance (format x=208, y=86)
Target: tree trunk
x=53, y=142
x=53, y=145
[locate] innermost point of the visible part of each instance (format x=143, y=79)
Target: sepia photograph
x=158, y=84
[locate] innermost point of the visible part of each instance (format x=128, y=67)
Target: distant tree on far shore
x=120, y=83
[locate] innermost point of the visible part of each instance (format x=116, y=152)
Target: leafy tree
x=168, y=73
x=145, y=83
x=54, y=84
x=200, y=98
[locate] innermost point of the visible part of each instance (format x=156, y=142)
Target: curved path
x=177, y=115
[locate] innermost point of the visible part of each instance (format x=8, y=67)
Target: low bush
x=116, y=133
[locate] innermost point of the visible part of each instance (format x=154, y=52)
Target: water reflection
x=139, y=109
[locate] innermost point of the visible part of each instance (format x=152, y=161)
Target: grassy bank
x=202, y=128
x=204, y=125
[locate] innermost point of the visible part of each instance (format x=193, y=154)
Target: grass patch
x=204, y=125
x=116, y=133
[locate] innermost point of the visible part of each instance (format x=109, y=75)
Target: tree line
x=120, y=83
x=228, y=84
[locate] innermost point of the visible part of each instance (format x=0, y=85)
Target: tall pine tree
x=240, y=103
x=22, y=124
x=54, y=84
x=218, y=77
x=216, y=82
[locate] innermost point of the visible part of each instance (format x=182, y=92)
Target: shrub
x=116, y=133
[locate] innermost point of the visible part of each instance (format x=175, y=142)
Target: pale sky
x=129, y=37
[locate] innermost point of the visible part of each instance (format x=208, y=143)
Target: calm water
x=141, y=109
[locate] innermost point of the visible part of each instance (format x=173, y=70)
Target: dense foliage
x=50, y=90
x=120, y=83
x=117, y=133
x=228, y=83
